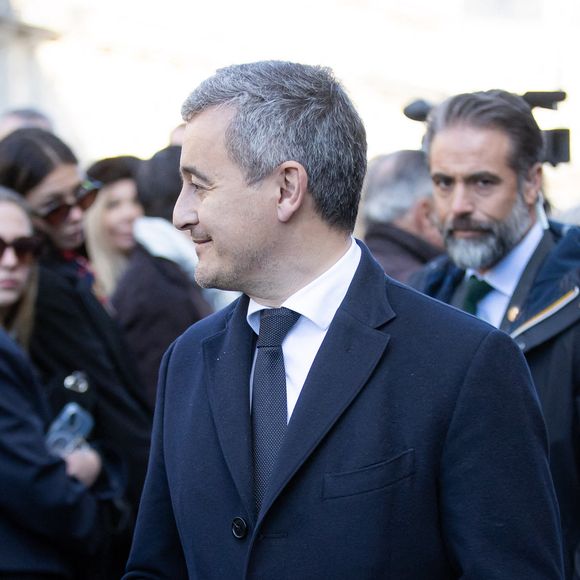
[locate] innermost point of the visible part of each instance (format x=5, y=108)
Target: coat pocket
x=369, y=478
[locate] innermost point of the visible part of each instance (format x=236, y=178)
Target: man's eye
x=442, y=182
x=485, y=185
x=197, y=189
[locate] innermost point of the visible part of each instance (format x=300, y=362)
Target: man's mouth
x=468, y=233
x=465, y=228
x=200, y=241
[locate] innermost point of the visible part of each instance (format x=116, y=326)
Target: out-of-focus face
x=120, y=210
x=480, y=207
x=59, y=186
x=14, y=269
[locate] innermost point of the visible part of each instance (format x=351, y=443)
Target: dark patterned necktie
x=269, y=407
x=476, y=290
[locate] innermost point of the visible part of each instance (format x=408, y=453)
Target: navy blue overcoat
x=416, y=451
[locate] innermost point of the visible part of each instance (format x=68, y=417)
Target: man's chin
x=206, y=279
x=478, y=254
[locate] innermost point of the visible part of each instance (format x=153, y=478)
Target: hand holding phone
x=69, y=430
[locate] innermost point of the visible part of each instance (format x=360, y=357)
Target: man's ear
x=422, y=209
x=293, y=186
x=532, y=184
x=423, y=214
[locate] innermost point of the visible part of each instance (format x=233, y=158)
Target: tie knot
x=275, y=323
x=477, y=289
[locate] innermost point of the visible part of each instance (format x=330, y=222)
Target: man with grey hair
x=508, y=265
x=397, y=208
x=329, y=423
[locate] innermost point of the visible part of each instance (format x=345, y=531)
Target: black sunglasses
x=25, y=248
x=56, y=212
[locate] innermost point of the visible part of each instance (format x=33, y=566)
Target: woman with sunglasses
x=75, y=344
x=49, y=504
x=19, y=248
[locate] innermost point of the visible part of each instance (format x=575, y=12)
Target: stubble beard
x=232, y=276
x=497, y=239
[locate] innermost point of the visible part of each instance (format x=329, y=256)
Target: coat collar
x=228, y=361
x=549, y=301
x=353, y=346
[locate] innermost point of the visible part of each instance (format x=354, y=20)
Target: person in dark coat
x=331, y=422
x=54, y=503
x=397, y=209
x=155, y=302
x=152, y=298
x=75, y=345
x=485, y=153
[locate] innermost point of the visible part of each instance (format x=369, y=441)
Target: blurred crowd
x=96, y=283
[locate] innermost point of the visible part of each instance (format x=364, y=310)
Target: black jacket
x=73, y=332
x=547, y=329
x=48, y=521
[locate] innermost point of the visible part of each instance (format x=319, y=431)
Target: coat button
x=239, y=528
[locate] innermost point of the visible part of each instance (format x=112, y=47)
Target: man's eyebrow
x=484, y=175
x=192, y=170
x=439, y=175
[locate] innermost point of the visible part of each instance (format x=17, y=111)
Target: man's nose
x=185, y=211
x=461, y=202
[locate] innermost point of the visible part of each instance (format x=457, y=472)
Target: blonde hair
x=19, y=321
x=108, y=264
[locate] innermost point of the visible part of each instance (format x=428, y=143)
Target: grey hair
x=495, y=109
x=286, y=111
x=394, y=183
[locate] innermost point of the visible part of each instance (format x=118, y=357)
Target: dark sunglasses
x=25, y=248
x=56, y=212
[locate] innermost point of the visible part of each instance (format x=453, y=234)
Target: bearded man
x=507, y=264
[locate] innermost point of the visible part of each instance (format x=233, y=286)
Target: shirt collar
x=319, y=300
x=505, y=275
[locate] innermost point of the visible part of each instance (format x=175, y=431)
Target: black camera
x=556, y=141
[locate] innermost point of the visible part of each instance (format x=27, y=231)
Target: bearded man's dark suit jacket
x=416, y=451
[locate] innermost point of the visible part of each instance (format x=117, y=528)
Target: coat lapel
x=228, y=360
x=348, y=355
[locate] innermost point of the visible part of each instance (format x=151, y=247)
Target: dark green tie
x=476, y=290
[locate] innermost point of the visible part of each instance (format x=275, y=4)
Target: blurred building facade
x=20, y=73
x=113, y=73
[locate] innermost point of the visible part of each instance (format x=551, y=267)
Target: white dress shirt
x=317, y=303
x=504, y=277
